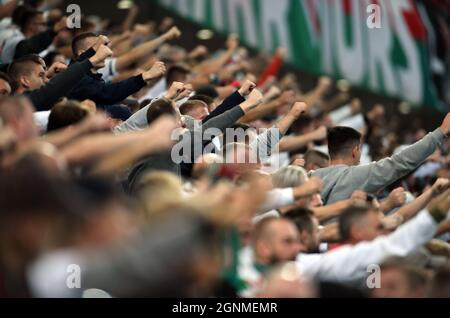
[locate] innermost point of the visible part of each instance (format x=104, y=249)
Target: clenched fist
x=156, y=71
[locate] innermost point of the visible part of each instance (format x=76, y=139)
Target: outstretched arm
x=144, y=144
x=351, y=263
x=410, y=210
x=378, y=175
x=139, y=52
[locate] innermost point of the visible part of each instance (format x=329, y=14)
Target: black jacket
x=35, y=44
x=59, y=86
x=229, y=103
x=93, y=87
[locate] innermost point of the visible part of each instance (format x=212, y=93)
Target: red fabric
x=335, y=246
x=236, y=84
x=272, y=70
x=347, y=6
x=415, y=24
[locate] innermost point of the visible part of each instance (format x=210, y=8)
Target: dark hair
x=302, y=218
x=159, y=108
x=6, y=78
x=145, y=103
x=190, y=105
x=99, y=191
x=174, y=72
x=351, y=216
x=119, y=112
x=315, y=156
x=204, y=98
x=50, y=57
x=78, y=40
x=21, y=66
x=341, y=140
x=301, y=123
x=209, y=91
x=18, y=13
x=65, y=114
x=26, y=16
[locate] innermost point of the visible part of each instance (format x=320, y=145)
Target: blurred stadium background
x=404, y=65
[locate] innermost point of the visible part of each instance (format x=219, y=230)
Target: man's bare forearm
x=412, y=209
x=123, y=157
x=88, y=149
x=139, y=52
x=330, y=233
x=214, y=66
x=294, y=143
x=262, y=111
x=327, y=212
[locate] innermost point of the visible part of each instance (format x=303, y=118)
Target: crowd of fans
x=297, y=194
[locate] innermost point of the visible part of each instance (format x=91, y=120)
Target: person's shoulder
x=328, y=170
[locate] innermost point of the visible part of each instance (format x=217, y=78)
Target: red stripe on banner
x=347, y=6
x=414, y=22
x=314, y=16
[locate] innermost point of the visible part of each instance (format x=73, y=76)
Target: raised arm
x=410, y=210
x=350, y=263
x=39, y=42
x=144, y=144
x=270, y=108
x=281, y=198
x=293, y=143
x=109, y=94
x=93, y=123
x=267, y=141
x=378, y=175
x=233, y=100
x=62, y=84
x=124, y=61
x=211, y=67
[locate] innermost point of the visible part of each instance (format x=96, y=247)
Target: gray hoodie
x=341, y=181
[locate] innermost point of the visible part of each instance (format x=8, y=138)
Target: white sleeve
x=340, y=114
x=138, y=121
x=356, y=122
x=276, y=199
x=156, y=91
x=109, y=71
x=350, y=263
x=41, y=120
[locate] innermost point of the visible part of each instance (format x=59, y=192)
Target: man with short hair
x=66, y=114
x=315, y=160
x=359, y=223
x=195, y=108
x=275, y=240
x=308, y=229
x=29, y=76
x=34, y=38
x=345, y=175
x=349, y=263
x=28, y=73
